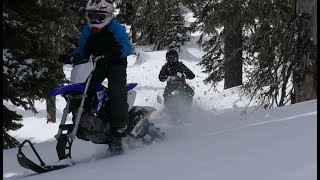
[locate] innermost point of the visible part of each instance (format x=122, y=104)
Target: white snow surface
x=215, y=141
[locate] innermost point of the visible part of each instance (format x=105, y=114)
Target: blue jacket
x=119, y=34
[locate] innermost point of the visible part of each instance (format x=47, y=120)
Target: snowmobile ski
x=28, y=164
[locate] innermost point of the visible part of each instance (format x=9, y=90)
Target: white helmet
x=99, y=13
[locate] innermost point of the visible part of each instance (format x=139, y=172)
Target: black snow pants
x=116, y=73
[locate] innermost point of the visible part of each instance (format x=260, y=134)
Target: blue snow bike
x=92, y=124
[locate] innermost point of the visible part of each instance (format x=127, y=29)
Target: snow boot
x=119, y=132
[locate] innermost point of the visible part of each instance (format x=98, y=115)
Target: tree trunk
x=51, y=109
x=309, y=7
x=233, y=56
x=307, y=89
x=133, y=34
x=151, y=38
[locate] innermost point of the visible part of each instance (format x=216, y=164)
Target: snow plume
x=179, y=118
x=142, y=56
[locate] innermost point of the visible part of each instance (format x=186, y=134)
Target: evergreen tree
x=223, y=58
x=160, y=23
x=10, y=122
x=307, y=88
x=276, y=44
x=126, y=16
x=174, y=33
x=126, y=11
x=281, y=52
x=147, y=20
x=71, y=14
x=31, y=44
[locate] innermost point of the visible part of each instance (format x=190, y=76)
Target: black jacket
x=104, y=43
x=171, y=69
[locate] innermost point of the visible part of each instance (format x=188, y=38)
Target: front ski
x=28, y=164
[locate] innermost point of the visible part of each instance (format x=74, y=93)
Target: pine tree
x=126, y=11
x=18, y=72
x=160, y=23
x=148, y=20
x=31, y=44
x=305, y=86
x=281, y=52
x=174, y=34
x=10, y=122
x=126, y=16
x=223, y=58
x=71, y=14
x=276, y=45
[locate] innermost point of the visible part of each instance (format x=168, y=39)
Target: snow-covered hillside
x=215, y=141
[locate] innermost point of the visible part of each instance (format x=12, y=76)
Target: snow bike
x=94, y=124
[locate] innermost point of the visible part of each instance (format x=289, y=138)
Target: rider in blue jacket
x=105, y=36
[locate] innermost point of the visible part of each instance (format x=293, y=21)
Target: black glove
x=68, y=59
x=65, y=58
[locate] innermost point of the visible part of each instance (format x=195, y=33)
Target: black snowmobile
x=178, y=95
x=177, y=98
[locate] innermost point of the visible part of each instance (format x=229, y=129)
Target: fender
x=79, y=88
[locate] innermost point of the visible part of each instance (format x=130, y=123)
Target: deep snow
x=278, y=144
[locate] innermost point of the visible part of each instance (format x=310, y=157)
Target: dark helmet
x=172, y=56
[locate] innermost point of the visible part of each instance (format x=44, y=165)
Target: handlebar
x=98, y=57
x=92, y=58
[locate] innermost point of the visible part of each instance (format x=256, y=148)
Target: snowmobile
x=178, y=99
x=94, y=124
